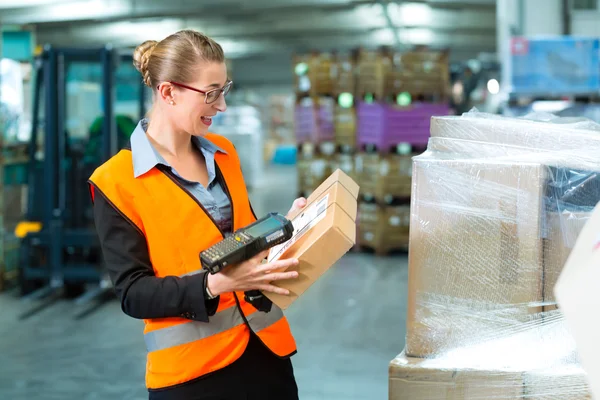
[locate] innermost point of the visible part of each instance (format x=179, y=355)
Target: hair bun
x=141, y=59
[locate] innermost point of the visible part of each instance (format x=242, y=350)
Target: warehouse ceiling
x=248, y=28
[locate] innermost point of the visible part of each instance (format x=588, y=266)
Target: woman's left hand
x=298, y=205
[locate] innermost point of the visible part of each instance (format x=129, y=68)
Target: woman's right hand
x=252, y=275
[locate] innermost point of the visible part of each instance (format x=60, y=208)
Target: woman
x=175, y=192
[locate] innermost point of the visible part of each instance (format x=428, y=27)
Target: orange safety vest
x=180, y=350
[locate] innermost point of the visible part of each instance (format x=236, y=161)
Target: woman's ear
x=166, y=92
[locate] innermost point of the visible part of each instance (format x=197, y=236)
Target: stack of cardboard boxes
x=373, y=68
x=343, y=120
x=384, y=213
x=314, y=73
x=419, y=72
x=497, y=204
x=316, y=117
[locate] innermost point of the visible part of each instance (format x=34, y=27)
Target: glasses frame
x=206, y=93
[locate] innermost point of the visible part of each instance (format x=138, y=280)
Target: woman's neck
x=168, y=140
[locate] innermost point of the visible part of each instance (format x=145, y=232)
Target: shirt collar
x=145, y=157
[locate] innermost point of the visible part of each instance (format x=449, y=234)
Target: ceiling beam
x=236, y=47
x=94, y=10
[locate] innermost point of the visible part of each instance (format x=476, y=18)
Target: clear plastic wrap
x=497, y=204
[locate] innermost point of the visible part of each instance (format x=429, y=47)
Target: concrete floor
x=348, y=326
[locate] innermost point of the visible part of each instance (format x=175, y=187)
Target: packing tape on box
x=497, y=205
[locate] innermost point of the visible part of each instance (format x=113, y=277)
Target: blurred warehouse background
x=318, y=85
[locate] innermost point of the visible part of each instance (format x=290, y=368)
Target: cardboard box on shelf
x=370, y=225
x=397, y=220
x=383, y=228
x=345, y=162
x=323, y=232
x=384, y=177
x=476, y=253
x=313, y=168
x=345, y=126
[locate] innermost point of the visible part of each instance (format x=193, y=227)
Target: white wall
x=585, y=23
x=543, y=17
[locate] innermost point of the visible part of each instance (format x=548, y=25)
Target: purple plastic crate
x=304, y=123
x=386, y=126
x=314, y=124
x=325, y=124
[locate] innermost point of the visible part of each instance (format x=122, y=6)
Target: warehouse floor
x=348, y=327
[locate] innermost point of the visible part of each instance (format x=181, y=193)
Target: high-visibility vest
x=177, y=229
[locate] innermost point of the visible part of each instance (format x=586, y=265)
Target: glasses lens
x=212, y=96
x=227, y=88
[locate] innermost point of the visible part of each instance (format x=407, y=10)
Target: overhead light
x=28, y=3
x=551, y=106
x=493, y=86
x=404, y=99
x=301, y=69
x=346, y=100
x=417, y=36
x=411, y=14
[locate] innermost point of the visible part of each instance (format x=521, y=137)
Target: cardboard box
x=475, y=253
x=324, y=231
x=422, y=379
x=312, y=171
x=383, y=228
x=573, y=144
x=345, y=126
x=345, y=162
x=384, y=177
x=567, y=382
x=371, y=226
x=563, y=229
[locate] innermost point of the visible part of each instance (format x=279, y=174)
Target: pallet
x=380, y=251
x=385, y=201
x=346, y=149
x=399, y=148
x=326, y=148
x=431, y=97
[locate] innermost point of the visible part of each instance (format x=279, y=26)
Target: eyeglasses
x=211, y=95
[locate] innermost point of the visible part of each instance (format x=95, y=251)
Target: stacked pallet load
x=314, y=126
x=398, y=94
x=497, y=205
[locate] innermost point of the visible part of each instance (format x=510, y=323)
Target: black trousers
x=257, y=375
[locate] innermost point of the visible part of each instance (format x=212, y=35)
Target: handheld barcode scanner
x=245, y=243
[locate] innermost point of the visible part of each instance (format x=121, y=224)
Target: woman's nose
x=220, y=104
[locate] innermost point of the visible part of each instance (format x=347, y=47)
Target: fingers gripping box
x=323, y=232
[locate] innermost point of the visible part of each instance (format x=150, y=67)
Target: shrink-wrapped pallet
x=497, y=205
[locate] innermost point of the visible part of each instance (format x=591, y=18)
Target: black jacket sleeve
x=142, y=294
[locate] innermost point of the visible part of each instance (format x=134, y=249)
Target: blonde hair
x=176, y=57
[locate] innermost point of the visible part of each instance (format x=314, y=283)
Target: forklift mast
x=62, y=257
